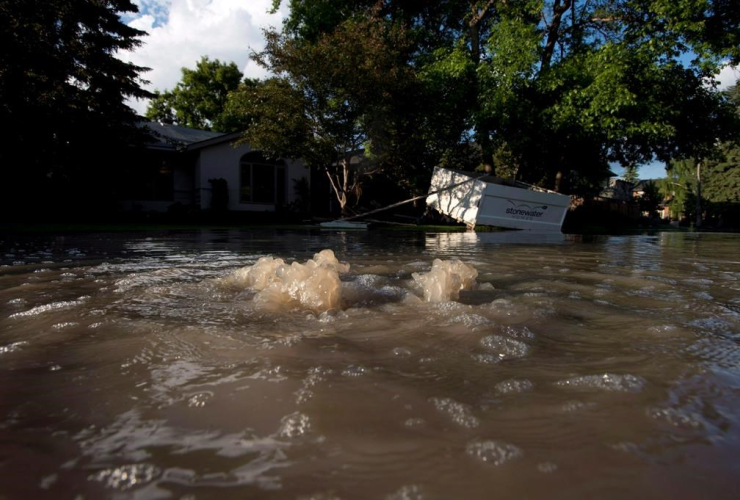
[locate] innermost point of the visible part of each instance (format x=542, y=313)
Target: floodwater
x=154, y=366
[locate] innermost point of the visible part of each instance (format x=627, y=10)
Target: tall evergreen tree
x=62, y=98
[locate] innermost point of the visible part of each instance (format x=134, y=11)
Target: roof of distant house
x=166, y=136
x=640, y=186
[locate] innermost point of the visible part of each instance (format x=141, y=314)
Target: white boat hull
x=481, y=202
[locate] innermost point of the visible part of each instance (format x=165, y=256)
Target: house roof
x=173, y=137
x=640, y=186
x=213, y=140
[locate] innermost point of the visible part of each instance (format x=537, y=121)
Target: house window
x=261, y=180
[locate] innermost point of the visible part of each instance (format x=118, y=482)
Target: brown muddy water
x=159, y=366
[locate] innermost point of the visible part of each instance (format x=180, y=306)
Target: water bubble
x=407, y=492
x=294, y=425
x=15, y=346
x=512, y=386
x=401, y=352
x=460, y=413
x=676, y=418
x=54, y=306
x=486, y=359
x=414, y=422
x=607, y=382
x=471, y=320
x=320, y=496
x=573, y=406
x=519, y=332
x=303, y=395
x=547, y=467
x=126, y=476
x=66, y=324
x=199, y=400
x=504, y=347
x=354, y=371
x=493, y=452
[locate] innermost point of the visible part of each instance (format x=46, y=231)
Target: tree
x=565, y=86
x=631, y=174
x=333, y=99
x=199, y=99
x=709, y=183
x=650, y=198
x=62, y=98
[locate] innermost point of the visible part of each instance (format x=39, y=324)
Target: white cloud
x=728, y=76
x=182, y=31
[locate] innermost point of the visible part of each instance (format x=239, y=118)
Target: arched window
x=261, y=180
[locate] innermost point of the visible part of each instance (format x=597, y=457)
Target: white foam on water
x=608, y=382
x=445, y=280
x=513, y=386
x=504, y=347
x=126, y=476
x=677, y=418
x=320, y=496
x=294, y=425
x=471, y=320
x=493, y=452
x=12, y=347
x=460, y=413
x=407, y=492
x=54, y=306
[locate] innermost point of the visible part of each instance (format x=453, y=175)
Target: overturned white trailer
x=490, y=201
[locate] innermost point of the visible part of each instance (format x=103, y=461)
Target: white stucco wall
x=222, y=161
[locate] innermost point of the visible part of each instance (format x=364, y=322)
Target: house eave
x=212, y=141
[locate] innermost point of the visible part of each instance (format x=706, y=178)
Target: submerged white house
x=181, y=166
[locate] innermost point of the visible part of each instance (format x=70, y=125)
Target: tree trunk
x=553, y=31
x=558, y=181
x=698, y=195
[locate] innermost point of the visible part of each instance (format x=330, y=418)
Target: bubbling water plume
x=445, y=280
x=314, y=285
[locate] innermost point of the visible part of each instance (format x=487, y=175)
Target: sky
x=182, y=31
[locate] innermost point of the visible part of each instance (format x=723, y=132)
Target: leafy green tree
x=333, y=98
x=678, y=188
x=713, y=178
x=651, y=198
x=62, y=99
x=565, y=85
x=237, y=112
x=199, y=99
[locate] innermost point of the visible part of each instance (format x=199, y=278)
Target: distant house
x=663, y=210
x=194, y=168
x=617, y=189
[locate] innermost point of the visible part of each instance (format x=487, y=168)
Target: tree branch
x=553, y=31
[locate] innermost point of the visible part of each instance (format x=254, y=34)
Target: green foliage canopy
x=200, y=98
x=565, y=85
x=332, y=98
